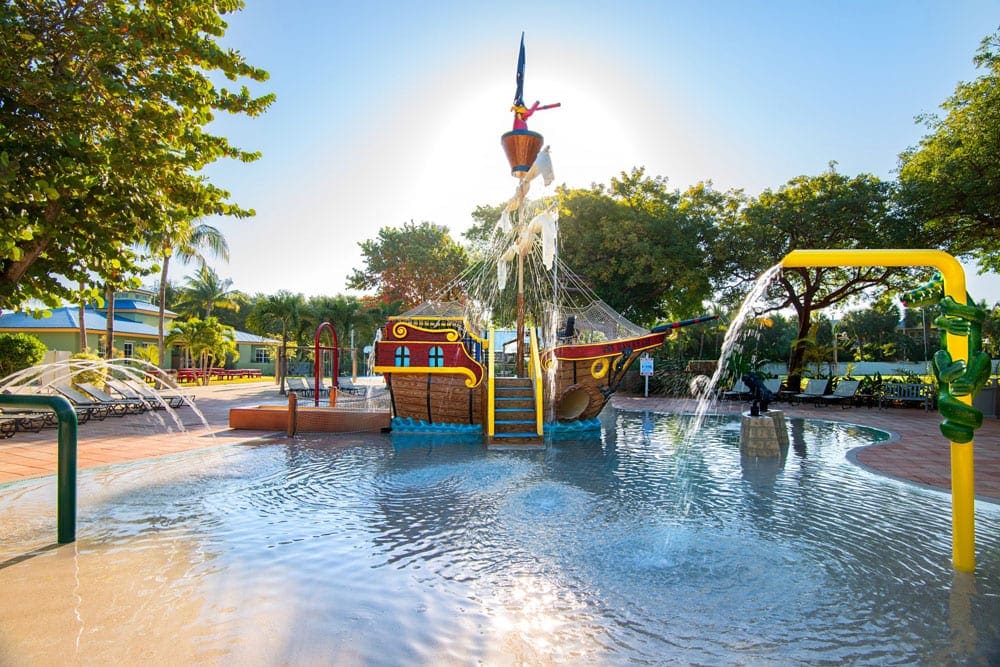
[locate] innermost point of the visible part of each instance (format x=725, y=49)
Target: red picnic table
x=189, y=374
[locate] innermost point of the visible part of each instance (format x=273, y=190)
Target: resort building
x=135, y=327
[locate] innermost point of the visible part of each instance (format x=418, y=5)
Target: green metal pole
x=66, y=466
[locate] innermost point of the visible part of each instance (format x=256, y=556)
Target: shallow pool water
x=633, y=547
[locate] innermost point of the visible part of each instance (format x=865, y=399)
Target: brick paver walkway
x=142, y=436
x=919, y=453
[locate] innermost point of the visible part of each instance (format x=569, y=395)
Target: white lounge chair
x=298, y=385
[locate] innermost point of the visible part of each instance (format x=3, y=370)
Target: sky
x=390, y=112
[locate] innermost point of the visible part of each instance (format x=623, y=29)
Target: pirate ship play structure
x=449, y=369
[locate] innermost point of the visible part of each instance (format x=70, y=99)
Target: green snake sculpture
x=955, y=377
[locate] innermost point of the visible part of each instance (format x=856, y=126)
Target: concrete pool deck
x=918, y=453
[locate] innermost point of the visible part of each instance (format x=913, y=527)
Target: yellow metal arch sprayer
x=958, y=367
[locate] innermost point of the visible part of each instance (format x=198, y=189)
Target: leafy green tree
x=480, y=234
x=411, y=264
x=922, y=345
x=952, y=178
x=769, y=338
x=991, y=331
x=872, y=332
x=19, y=351
x=104, y=108
x=703, y=342
x=826, y=211
x=206, y=291
x=640, y=246
x=236, y=317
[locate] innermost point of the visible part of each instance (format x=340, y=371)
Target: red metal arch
x=318, y=359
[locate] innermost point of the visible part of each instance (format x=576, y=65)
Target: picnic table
x=189, y=374
x=196, y=374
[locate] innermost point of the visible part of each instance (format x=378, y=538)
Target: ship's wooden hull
x=436, y=398
x=587, y=375
x=439, y=376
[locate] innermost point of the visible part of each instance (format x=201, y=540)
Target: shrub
x=148, y=353
x=94, y=376
x=19, y=351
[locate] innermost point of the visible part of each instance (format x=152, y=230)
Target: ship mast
x=522, y=147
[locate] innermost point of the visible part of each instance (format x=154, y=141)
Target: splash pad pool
x=630, y=548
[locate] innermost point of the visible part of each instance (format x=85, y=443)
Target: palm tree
x=346, y=313
x=279, y=313
x=186, y=244
x=208, y=341
x=204, y=292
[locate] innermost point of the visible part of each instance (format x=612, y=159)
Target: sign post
x=645, y=370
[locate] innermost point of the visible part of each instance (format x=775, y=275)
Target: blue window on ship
x=435, y=357
x=402, y=356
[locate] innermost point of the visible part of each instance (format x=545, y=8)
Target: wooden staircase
x=515, y=423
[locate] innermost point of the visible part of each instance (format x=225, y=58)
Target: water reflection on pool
x=628, y=548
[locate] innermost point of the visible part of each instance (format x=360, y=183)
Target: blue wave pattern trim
x=410, y=425
x=572, y=429
x=407, y=426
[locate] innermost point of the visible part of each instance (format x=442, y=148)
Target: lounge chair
x=348, y=387
x=844, y=393
x=118, y=405
x=739, y=390
x=129, y=393
x=323, y=389
x=8, y=426
x=173, y=398
x=12, y=421
x=298, y=385
x=84, y=404
x=814, y=391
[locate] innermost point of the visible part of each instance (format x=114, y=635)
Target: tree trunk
x=798, y=353
x=282, y=368
x=162, y=299
x=109, y=297
x=83, y=324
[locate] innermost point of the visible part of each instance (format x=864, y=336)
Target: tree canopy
x=410, y=264
x=826, y=211
x=640, y=246
x=204, y=292
x=103, y=113
x=952, y=178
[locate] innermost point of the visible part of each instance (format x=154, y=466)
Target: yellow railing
x=490, y=386
x=963, y=494
x=535, y=370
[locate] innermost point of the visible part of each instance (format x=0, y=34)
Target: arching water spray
x=707, y=394
x=733, y=342
x=43, y=378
